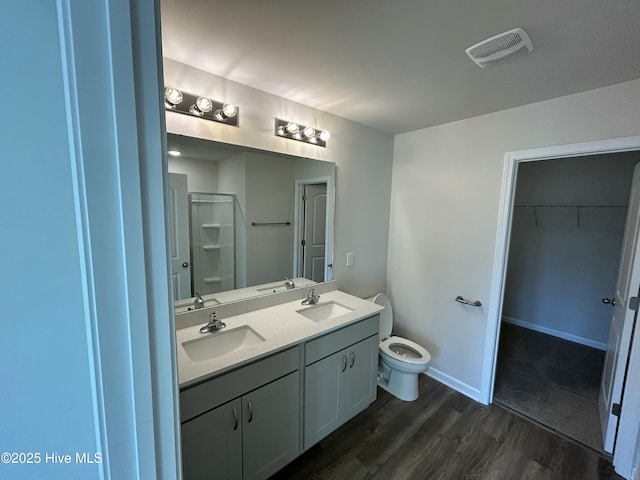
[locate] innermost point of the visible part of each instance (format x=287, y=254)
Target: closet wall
x=567, y=230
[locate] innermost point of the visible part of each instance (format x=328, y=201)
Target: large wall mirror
x=246, y=222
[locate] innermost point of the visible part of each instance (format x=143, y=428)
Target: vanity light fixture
x=302, y=133
x=198, y=106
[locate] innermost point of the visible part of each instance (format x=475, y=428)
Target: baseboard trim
x=556, y=333
x=449, y=381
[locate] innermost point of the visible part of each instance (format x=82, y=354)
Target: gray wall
x=563, y=261
x=363, y=158
x=446, y=189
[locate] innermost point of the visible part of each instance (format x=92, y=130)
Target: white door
x=314, y=234
x=613, y=374
x=179, y=228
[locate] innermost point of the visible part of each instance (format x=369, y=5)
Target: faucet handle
x=213, y=316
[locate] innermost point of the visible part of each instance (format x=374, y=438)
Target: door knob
x=185, y=264
x=609, y=301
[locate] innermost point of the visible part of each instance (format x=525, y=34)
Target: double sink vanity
x=276, y=379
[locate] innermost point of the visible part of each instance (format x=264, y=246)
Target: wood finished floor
x=444, y=435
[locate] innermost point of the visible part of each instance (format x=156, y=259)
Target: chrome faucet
x=289, y=283
x=214, y=324
x=198, y=302
x=312, y=298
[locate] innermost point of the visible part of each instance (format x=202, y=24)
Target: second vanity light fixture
x=302, y=133
x=182, y=102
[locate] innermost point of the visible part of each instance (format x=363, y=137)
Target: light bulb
x=173, y=95
x=309, y=132
x=219, y=116
x=229, y=110
x=281, y=131
x=297, y=136
x=325, y=135
x=313, y=140
x=194, y=110
x=204, y=104
x=292, y=127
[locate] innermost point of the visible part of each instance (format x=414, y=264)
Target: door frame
x=624, y=453
x=331, y=200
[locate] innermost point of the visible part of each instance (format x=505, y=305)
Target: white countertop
x=281, y=327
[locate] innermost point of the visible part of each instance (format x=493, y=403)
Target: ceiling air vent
x=512, y=44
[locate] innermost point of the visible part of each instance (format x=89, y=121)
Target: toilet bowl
x=399, y=360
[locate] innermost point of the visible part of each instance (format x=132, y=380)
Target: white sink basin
x=212, y=345
x=324, y=311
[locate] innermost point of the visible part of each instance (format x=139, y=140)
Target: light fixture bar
x=301, y=133
x=199, y=106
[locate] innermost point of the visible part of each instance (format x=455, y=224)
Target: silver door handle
x=235, y=419
x=609, y=301
x=250, y=411
x=344, y=362
x=353, y=359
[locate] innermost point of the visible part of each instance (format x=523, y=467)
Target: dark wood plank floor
x=444, y=435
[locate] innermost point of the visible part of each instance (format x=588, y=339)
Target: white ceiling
x=398, y=66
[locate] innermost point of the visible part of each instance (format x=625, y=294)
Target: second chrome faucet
x=214, y=324
x=312, y=298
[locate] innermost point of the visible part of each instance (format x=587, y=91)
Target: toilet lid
x=386, y=315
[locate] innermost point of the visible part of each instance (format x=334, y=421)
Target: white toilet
x=400, y=360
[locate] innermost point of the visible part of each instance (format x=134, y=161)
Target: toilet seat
x=394, y=346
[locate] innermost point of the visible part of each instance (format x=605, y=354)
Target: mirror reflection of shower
x=213, y=248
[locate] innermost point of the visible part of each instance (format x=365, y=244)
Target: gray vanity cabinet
x=271, y=427
x=253, y=435
x=212, y=444
x=340, y=377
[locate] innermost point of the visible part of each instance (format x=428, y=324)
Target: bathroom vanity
x=277, y=379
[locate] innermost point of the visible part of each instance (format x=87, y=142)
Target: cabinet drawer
x=219, y=390
x=332, y=342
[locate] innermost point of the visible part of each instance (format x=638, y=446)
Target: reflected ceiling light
x=172, y=97
x=174, y=153
x=302, y=133
x=200, y=106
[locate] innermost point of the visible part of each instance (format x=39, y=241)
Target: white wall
x=202, y=175
x=444, y=211
x=563, y=261
x=363, y=157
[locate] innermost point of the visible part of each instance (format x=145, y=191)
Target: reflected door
x=179, y=231
x=314, y=231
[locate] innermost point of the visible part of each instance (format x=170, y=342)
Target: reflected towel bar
x=270, y=224
x=477, y=303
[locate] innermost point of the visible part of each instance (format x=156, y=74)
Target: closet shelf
x=212, y=280
x=577, y=207
x=211, y=247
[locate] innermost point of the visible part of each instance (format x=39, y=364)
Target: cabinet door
x=324, y=397
x=271, y=427
x=212, y=444
x=361, y=376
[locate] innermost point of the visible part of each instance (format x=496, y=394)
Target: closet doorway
x=566, y=236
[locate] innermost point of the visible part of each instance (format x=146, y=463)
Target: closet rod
x=535, y=208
